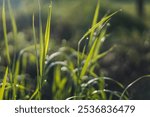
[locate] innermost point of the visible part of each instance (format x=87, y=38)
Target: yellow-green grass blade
x=2, y=89
x=48, y=29
x=5, y=31
x=100, y=41
x=105, y=19
x=97, y=25
x=99, y=56
x=57, y=81
x=14, y=30
x=88, y=59
x=95, y=19
x=13, y=21
x=57, y=75
x=41, y=41
x=17, y=69
x=34, y=94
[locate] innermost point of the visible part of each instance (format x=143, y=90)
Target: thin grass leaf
x=2, y=89
x=14, y=30
x=101, y=55
x=96, y=14
x=57, y=75
x=17, y=69
x=41, y=41
x=115, y=93
x=88, y=59
x=13, y=21
x=48, y=29
x=131, y=84
x=34, y=94
x=5, y=32
x=100, y=40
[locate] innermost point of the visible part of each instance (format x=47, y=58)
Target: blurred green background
x=129, y=31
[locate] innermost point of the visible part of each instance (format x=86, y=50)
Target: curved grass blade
x=131, y=84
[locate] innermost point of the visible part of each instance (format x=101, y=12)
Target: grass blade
x=5, y=31
x=35, y=43
x=131, y=84
x=13, y=21
x=88, y=59
x=2, y=89
x=48, y=29
x=95, y=19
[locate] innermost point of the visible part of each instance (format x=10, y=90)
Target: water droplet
x=45, y=80
x=17, y=85
x=95, y=33
x=120, y=10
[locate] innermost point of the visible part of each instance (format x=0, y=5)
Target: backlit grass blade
x=100, y=40
x=13, y=21
x=48, y=29
x=99, y=56
x=5, y=31
x=34, y=94
x=102, y=21
x=14, y=30
x=97, y=25
x=95, y=19
x=88, y=59
x=2, y=89
x=41, y=41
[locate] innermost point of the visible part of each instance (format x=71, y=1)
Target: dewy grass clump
x=65, y=74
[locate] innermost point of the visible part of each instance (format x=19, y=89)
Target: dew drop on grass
x=108, y=24
x=46, y=62
x=64, y=69
x=45, y=81
x=120, y=10
x=17, y=85
x=95, y=34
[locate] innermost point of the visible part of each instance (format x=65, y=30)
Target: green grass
x=69, y=73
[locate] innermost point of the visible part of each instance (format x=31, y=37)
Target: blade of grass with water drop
x=105, y=19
